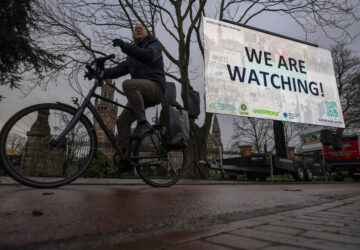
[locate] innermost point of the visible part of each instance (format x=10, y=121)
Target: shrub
x=98, y=167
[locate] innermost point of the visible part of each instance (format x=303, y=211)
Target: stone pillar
x=38, y=159
x=34, y=150
x=245, y=150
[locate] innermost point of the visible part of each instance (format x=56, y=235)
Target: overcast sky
x=15, y=100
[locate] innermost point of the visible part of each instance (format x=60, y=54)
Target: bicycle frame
x=87, y=104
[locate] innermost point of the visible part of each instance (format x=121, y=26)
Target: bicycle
x=59, y=143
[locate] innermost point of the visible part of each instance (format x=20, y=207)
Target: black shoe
x=124, y=166
x=140, y=130
x=121, y=165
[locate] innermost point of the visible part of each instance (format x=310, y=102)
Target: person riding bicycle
x=49, y=160
x=146, y=87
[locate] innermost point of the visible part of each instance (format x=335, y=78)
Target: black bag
x=169, y=94
x=193, y=104
x=174, y=127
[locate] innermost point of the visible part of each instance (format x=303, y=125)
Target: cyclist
x=146, y=87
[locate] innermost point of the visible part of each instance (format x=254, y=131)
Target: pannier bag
x=174, y=127
x=193, y=104
x=169, y=95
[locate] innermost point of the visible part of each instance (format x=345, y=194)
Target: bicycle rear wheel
x=157, y=166
x=25, y=152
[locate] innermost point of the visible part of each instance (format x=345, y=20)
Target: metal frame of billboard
x=270, y=33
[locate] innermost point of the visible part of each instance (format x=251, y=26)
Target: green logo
x=212, y=106
x=265, y=112
x=243, y=111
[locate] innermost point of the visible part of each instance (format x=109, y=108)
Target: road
x=86, y=214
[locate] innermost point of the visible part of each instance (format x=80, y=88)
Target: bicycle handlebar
x=99, y=67
x=102, y=60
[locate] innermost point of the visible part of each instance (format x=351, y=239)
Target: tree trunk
x=198, y=149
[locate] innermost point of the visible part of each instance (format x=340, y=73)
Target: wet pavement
x=127, y=214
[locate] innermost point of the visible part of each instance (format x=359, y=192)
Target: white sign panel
x=251, y=73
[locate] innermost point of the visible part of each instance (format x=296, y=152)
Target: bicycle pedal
x=116, y=159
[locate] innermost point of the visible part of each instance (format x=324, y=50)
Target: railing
x=64, y=161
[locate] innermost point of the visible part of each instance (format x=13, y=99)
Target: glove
x=90, y=74
x=118, y=43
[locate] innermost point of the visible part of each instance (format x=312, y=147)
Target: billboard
x=255, y=74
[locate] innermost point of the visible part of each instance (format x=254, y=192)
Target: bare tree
x=347, y=72
x=292, y=132
x=83, y=29
x=252, y=131
x=15, y=142
x=310, y=15
x=259, y=132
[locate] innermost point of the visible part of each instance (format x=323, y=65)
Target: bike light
x=75, y=101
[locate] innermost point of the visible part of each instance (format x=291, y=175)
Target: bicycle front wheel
x=157, y=166
x=27, y=156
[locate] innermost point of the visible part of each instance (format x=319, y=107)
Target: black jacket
x=144, y=61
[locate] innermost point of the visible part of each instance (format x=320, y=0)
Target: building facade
x=108, y=113
x=214, y=141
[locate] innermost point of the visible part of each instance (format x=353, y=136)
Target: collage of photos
x=293, y=82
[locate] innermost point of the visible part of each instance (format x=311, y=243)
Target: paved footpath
x=334, y=225
x=126, y=214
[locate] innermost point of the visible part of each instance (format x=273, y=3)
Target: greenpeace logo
x=265, y=112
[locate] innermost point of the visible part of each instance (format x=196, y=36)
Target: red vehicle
x=345, y=162
x=349, y=151
x=325, y=159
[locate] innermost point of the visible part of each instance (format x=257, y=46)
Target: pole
x=220, y=155
x=279, y=139
x=271, y=168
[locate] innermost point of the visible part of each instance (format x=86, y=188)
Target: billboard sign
x=255, y=74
